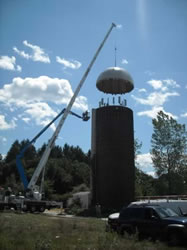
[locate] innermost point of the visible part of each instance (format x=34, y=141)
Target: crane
x=35, y=193
x=41, y=165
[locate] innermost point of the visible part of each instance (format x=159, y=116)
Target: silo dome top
x=115, y=80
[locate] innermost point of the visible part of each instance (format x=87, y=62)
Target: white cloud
x=31, y=97
x=22, y=53
x=152, y=173
x=38, y=53
x=19, y=68
x=73, y=64
x=46, y=122
x=41, y=113
x=41, y=89
x=149, y=72
x=171, y=83
x=81, y=103
x=150, y=113
x=9, y=63
x=26, y=119
x=4, y=156
x=155, y=98
x=153, y=113
x=163, y=85
x=144, y=162
x=184, y=115
x=156, y=84
x=3, y=139
x=119, y=26
x=40, y=110
x=124, y=61
x=142, y=90
x=4, y=125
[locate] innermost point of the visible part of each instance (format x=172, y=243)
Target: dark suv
x=153, y=222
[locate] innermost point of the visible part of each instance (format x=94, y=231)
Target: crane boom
x=84, y=117
x=47, y=151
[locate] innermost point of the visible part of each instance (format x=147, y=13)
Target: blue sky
x=46, y=47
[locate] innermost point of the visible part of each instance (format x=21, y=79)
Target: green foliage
x=137, y=147
x=169, y=150
x=144, y=184
x=75, y=207
x=56, y=152
x=29, y=154
x=14, y=150
x=67, y=171
x=66, y=168
x=75, y=154
x=80, y=188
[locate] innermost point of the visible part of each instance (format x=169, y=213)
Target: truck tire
x=32, y=209
x=120, y=230
x=25, y=209
x=41, y=209
x=125, y=230
x=174, y=238
x=1, y=208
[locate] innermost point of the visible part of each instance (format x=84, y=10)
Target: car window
x=130, y=213
x=137, y=213
x=166, y=212
x=149, y=213
x=125, y=213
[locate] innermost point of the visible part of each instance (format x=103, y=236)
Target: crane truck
x=32, y=201
x=33, y=194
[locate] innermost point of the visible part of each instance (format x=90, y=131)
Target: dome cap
x=115, y=80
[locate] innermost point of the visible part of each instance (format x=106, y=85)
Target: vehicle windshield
x=166, y=212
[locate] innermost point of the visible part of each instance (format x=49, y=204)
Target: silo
x=112, y=147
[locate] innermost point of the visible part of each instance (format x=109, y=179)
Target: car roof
x=144, y=205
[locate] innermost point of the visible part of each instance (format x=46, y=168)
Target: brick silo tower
x=112, y=149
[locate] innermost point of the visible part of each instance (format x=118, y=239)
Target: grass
x=39, y=232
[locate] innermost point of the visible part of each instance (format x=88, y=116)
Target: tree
x=169, y=148
x=30, y=153
x=14, y=150
x=145, y=184
x=41, y=150
x=66, y=168
x=137, y=147
x=56, y=152
x=1, y=169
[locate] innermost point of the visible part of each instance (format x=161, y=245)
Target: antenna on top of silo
x=115, y=54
